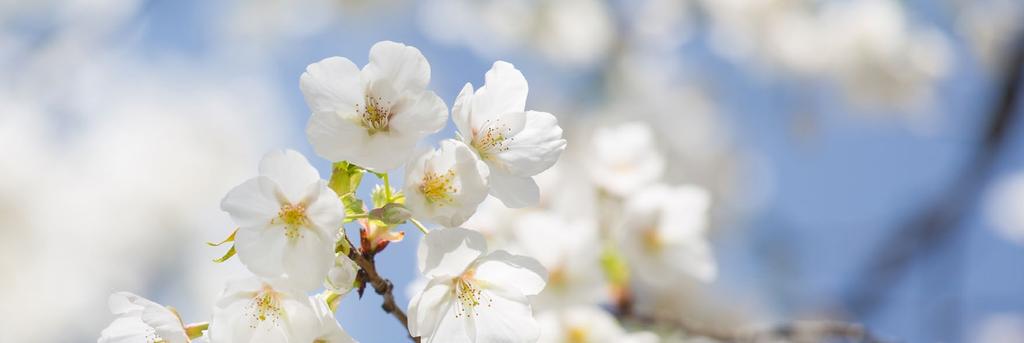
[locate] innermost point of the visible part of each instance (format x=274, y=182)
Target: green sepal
x=614, y=265
x=391, y=214
x=230, y=238
x=345, y=178
x=354, y=207
x=196, y=330
x=227, y=255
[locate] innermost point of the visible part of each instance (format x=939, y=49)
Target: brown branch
x=935, y=224
x=797, y=331
x=382, y=286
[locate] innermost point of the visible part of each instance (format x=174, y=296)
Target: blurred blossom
x=625, y=158
x=570, y=32
x=990, y=27
x=663, y=234
x=115, y=161
x=587, y=324
x=569, y=251
x=1006, y=207
x=1000, y=328
x=872, y=49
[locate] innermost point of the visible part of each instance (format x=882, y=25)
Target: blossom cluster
x=291, y=234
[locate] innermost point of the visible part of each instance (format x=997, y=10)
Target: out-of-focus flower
x=572, y=32
x=342, y=275
x=870, y=48
x=1006, y=208
x=373, y=117
x=625, y=158
x=877, y=57
x=252, y=310
x=288, y=220
x=990, y=27
x=516, y=144
x=472, y=295
x=586, y=324
x=445, y=185
x=570, y=251
x=329, y=330
x=663, y=234
x=1000, y=328
x=141, y=320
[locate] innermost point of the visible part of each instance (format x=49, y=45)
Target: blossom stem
x=387, y=187
x=382, y=286
x=358, y=216
x=419, y=225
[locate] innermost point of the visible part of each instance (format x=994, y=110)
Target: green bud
x=391, y=214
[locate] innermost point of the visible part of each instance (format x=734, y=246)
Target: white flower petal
x=451, y=329
x=324, y=208
x=514, y=191
x=447, y=252
x=536, y=147
x=332, y=85
x=507, y=319
x=424, y=114
x=291, y=171
x=504, y=91
x=521, y=274
x=126, y=330
x=307, y=259
x=253, y=203
x=334, y=136
x=462, y=112
x=261, y=250
x=425, y=307
x=404, y=66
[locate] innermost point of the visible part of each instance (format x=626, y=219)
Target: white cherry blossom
x=569, y=250
x=625, y=158
x=375, y=116
x=516, y=144
x=140, y=320
x=288, y=220
x=329, y=330
x=473, y=296
x=254, y=310
x=586, y=324
x=445, y=185
x=342, y=275
x=663, y=234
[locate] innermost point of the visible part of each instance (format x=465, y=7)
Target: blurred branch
x=797, y=331
x=936, y=223
x=383, y=287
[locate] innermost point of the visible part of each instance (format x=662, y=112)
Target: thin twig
x=798, y=331
x=381, y=286
x=922, y=233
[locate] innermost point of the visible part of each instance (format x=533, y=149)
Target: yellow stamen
x=376, y=115
x=294, y=218
x=438, y=188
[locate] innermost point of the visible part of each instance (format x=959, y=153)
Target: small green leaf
x=230, y=238
x=345, y=178
x=231, y=252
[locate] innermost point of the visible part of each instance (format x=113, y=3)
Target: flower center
x=263, y=307
x=492, y=140
x=294, y=218
x=376, y=115
x=469, y=295
x=438, y=188
x=576, y=334
x=652, y=240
